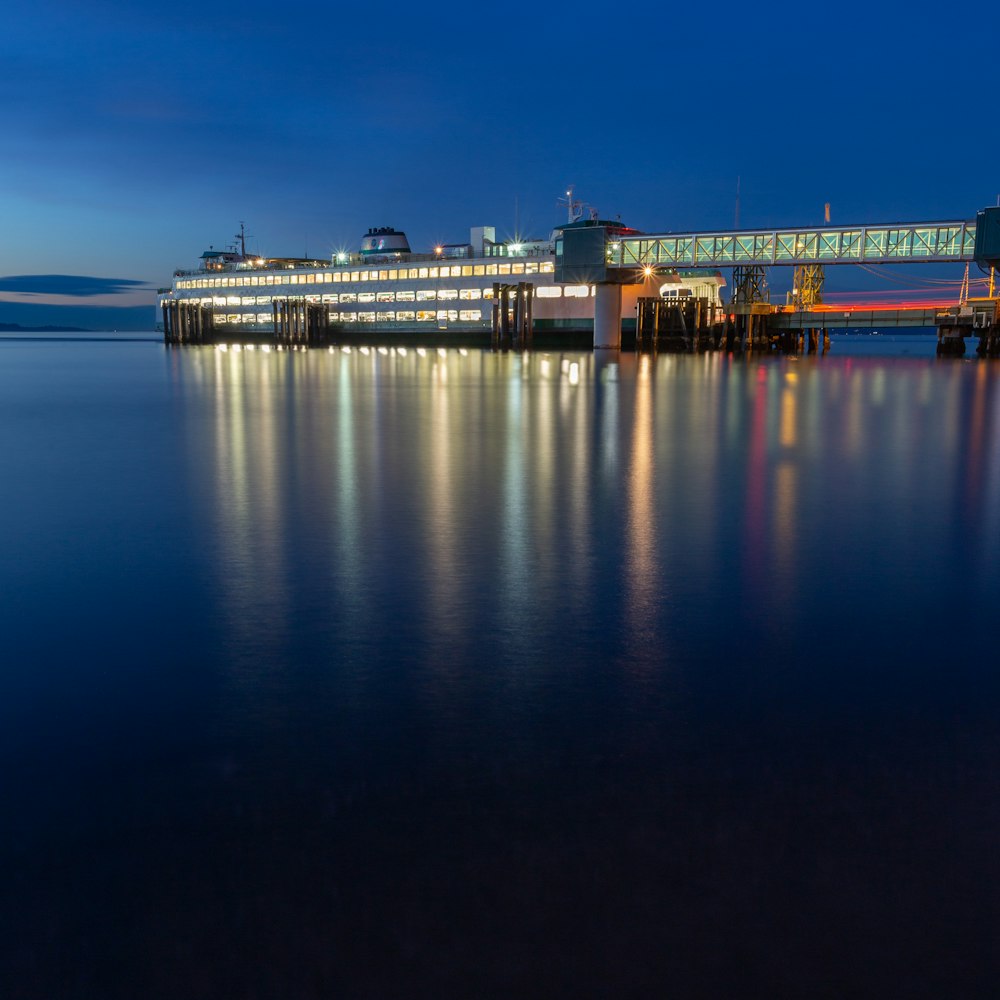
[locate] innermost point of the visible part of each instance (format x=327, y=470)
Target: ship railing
x=369, y=260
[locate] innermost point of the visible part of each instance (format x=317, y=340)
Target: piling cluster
x=512, y=316
x=187, y=322
x=300, y=323
x=696, y=324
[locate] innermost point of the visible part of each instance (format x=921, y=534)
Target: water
x=465, y=675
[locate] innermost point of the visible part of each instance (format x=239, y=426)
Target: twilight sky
x=135, y=135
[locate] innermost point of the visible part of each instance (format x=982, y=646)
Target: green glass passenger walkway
x=930, y=242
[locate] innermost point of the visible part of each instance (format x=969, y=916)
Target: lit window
x=487, y=293
x=479, y=269
x=531, y=269
x=466, y=270
x=348, y=317
x=426, y=295
x=392, y=275
x=432, y=272
x=220, y=319
x=385, y=297
x=405, y=296
x=548, y=292
x=348, y=297
x=470, y=315
x=426, y=316
x=503, y=268
x=491, y=268
x=405, y=317
x=517, y=269
x=421, y=272
x=576, y=291
x=366, y=317
x=447, y=315
x=546, y=267
x=470, y=293
x=386, y=316
x=366, y=296
x=445, y=294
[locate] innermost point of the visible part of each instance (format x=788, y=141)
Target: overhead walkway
x=934, y=242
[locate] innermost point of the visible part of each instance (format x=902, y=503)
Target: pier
x=600, y=257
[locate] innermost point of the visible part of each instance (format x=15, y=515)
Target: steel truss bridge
x=928, y=242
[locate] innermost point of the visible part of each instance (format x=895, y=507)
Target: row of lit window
x=382, y=316
x=389, y=274
x=405, y=295
x=408, y=316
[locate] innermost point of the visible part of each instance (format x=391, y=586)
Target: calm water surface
x=462, y=675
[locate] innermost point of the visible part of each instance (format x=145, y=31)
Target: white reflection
x=250, y=559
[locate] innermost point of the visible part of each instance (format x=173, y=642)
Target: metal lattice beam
x=749, y=285
x=807, y=285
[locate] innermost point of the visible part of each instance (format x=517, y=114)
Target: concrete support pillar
x=608, y=317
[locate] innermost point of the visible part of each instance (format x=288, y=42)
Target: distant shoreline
x=17, y=328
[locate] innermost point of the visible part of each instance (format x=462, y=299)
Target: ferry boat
x=384, y=292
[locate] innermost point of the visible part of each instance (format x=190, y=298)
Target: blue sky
x=135, y=135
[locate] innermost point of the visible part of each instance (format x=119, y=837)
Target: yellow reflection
x=442, y=514
x=786, y=481
x=788, y=434
x=641, y=565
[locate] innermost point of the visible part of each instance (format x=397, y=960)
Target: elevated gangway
x=928, y=242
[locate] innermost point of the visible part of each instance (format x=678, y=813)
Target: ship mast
x=242, y=237
x=574, y=209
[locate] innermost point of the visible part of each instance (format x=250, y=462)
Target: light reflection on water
x=424, y=652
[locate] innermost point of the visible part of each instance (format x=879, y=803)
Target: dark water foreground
x=333, y=675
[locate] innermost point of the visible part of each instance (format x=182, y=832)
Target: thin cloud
x=81, y=286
